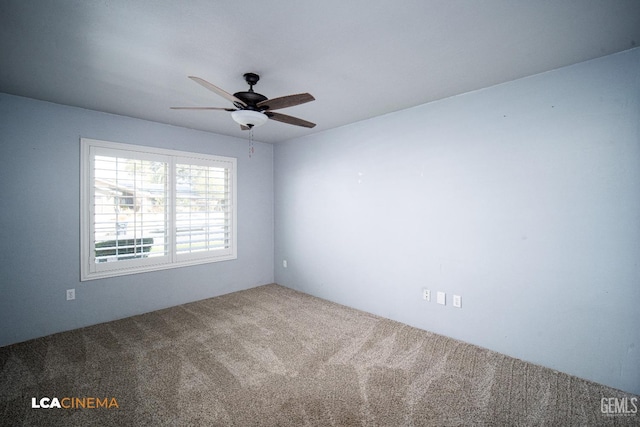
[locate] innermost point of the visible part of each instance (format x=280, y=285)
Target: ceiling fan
x=253, y=109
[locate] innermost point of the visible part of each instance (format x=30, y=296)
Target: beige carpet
x=276, y=357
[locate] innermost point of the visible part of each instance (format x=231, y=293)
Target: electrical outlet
x=457, y=301
x=426, y=294
x=71, y=294
x=442, y=298
x=284, y=263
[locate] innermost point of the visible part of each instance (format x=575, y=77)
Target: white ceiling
x=359, y=58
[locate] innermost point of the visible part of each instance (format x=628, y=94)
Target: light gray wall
x=39, y=255
x=523, y=198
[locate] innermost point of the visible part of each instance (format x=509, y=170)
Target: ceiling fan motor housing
x=250, y=98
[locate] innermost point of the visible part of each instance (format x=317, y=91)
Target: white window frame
x=89, y=269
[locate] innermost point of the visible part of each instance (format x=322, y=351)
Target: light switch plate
x=457, y=301
x=442, y=298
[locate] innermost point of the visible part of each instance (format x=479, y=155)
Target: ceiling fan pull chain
x=251, y=150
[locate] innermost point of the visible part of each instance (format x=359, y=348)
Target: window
x=145, y=209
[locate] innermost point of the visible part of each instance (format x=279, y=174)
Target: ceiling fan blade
x=286, y=101
x=217, y=90
x=289, y=119
x=203, y=108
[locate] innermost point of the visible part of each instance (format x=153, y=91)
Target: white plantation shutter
x=145, y=209
x=129, y=215
x=203, y=213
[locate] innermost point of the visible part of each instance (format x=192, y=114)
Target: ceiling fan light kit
x=249, y=118
x=253, y=109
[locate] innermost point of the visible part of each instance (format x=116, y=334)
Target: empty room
x=331, y=213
